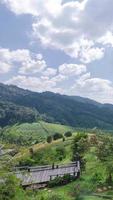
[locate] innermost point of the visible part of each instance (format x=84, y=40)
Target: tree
x=68, y=134
x=79, y=147
x=49, y=139
x=60, y=152
x=105, y=155
x=57, y=136
x=9, y=188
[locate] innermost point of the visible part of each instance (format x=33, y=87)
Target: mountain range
x=18, y=106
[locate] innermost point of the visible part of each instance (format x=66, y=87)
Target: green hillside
x=25, y=134
x=20, y=106
x=94, y=183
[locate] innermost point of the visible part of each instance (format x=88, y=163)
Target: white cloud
x=72, y=69
x=85, y=21
x=107, y=39
x=84, y=85
x=91, y=54
x=82, y=29
x=50, y=72
x=32, y=66
x=34, y=83
x=65, y=25
x=4, y=67
x=33, y=7
x=95, y=88
x=27, y=62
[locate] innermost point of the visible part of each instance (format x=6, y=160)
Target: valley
x=92, y=184
x=47, y=129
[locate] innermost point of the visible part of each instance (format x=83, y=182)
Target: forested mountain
x=11, y=113
x=74, y=111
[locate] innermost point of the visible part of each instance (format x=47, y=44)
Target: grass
x=48, y=152
x=67, y=192
x=33, y=133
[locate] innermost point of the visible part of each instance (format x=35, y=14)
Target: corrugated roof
x=43, y=175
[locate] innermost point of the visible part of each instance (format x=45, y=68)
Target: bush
x=9, y=188
x=59, y=181
x=49, y=139
x=54, y=197
x=57, y=136
x=68, y=134
x=60, y=153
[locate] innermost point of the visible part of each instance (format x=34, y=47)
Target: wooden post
x=53, y=166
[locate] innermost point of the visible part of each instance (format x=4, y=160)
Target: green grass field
x=33, y=133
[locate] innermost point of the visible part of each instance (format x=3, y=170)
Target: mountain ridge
x=68, y=110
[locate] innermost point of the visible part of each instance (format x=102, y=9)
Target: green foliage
x=11, y=113
x=68, y=134
x=60, y=153
x=73, y=111
x=104, y=154
x=59, y=181
x=27, y=134
x=54, y=197
x=49, y=139
x=98, y=169
x=9, y=188
x=96, y=178
x=80, y=145
x=57, y=136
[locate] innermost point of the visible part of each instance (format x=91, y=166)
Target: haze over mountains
x=18, y=106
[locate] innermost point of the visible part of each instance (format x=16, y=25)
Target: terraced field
x=33, y=133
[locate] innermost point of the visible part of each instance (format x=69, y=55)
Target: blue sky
x=59, y=46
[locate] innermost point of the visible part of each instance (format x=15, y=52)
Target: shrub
x=57, y=136
x=9, y=188
x=58, y=181
x=54, y=197
x=49, y=139
x=60, y=153
x=68, y=134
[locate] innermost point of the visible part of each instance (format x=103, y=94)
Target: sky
x=63, y=46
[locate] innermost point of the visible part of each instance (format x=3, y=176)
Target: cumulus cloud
x=85, y=21
x=82, y=29
x=35, y=83
x=4, y=67
x=95, y=88
x=72, y=69
x=50, y=72
x=65, y=24
x=27, y=62
x=84, y=85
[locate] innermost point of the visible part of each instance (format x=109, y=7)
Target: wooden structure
x=38, y=177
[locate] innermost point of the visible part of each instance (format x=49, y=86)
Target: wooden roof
x=42, y=175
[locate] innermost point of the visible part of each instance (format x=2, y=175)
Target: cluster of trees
x=9, y=188
x=58, y=136
x=44, y=156
x=104, y=154
x=11, y=113
x=103, y=150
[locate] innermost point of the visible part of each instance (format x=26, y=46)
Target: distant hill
x=56, y=108
x=11, y=113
